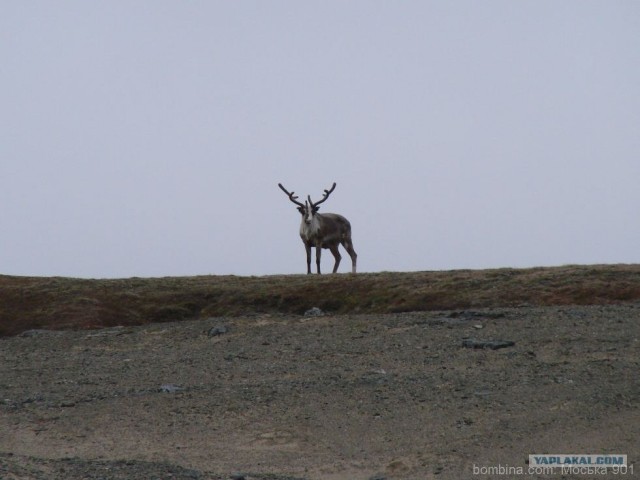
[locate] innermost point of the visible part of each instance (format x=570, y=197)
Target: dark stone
x=491, y=344
x=471, y=314
x=219, y=330
x=35, y=333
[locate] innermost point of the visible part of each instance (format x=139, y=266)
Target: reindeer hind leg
x=348, y=246
x=337, y=256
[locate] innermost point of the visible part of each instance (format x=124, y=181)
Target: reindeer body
x=328, y=230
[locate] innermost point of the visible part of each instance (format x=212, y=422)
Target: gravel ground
x=399, y=396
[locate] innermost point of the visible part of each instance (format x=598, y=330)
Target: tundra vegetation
x=69, y=303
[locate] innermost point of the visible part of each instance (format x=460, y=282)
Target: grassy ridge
x=67, y=303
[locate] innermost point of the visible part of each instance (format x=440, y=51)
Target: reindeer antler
x=326, y=195
x=291, y=196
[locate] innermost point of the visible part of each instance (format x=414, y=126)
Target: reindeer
x=326, y=230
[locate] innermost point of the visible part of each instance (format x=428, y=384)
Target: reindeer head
x=307, y=209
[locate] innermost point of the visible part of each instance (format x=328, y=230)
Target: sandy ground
x=328, y=397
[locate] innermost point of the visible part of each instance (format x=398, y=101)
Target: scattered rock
x=314, y=312
x=32, y=399
x=219, y=330
x=310, y=377
x=35, y=333
x=470, y=314
x=482, y=393
x=170, y=388
x=492, y=344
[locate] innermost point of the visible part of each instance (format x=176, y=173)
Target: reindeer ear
x=301, y=210
x=315, y=209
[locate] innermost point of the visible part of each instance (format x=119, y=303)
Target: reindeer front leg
x=307, y=247
x=318, y=254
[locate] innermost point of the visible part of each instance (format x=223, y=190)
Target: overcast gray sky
x=147, y=138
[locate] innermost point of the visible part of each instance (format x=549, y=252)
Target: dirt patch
x=395, y=396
